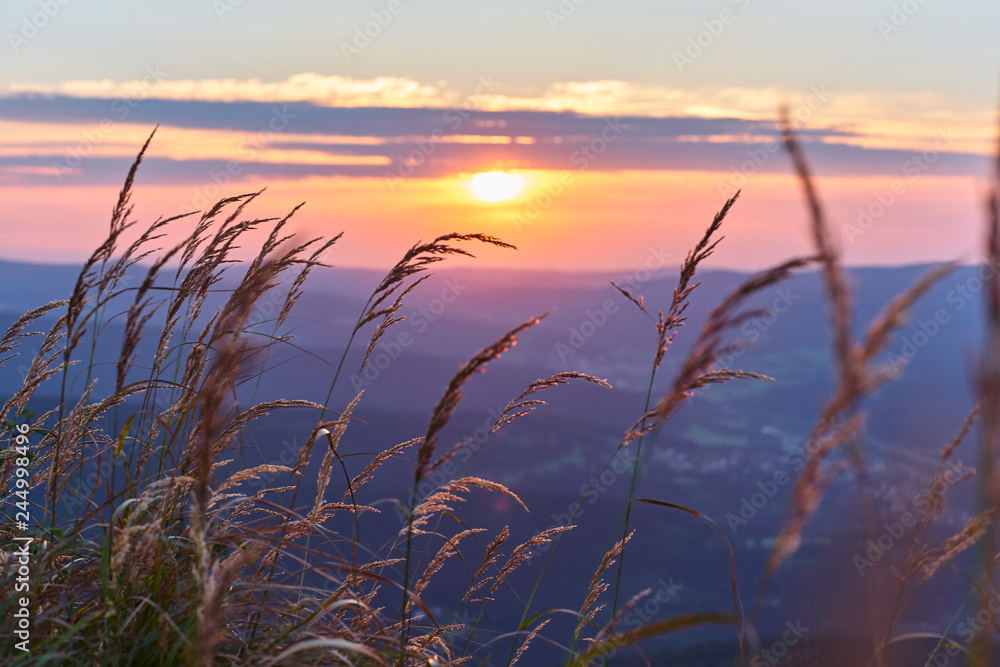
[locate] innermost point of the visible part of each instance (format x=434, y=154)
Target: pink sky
x=618, y=146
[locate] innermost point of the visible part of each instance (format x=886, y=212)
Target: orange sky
x=629, y=122
x=587, y=197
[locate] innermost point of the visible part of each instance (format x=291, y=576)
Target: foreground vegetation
x=176, y=556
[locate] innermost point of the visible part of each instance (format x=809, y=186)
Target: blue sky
x=948, y=47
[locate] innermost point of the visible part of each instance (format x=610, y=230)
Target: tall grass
x=168, y=556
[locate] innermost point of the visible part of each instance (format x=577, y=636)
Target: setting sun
x=496, y=186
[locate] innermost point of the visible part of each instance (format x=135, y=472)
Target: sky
x=592, y=134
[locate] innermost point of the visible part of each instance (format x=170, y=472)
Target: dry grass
x=177, y=560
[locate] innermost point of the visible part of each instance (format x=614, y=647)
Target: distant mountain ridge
x=712, y=455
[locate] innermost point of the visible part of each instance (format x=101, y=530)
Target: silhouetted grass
x=171, y=558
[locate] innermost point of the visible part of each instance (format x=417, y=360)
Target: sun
x=496, y=186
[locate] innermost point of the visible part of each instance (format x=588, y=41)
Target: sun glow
x=496, y=186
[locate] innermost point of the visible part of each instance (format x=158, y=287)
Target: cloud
x=600, y=97
x=624, y=97
x=377, y=122
x=386, y=161
x=340, y=91
x=338, y=126
x=877, y=118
